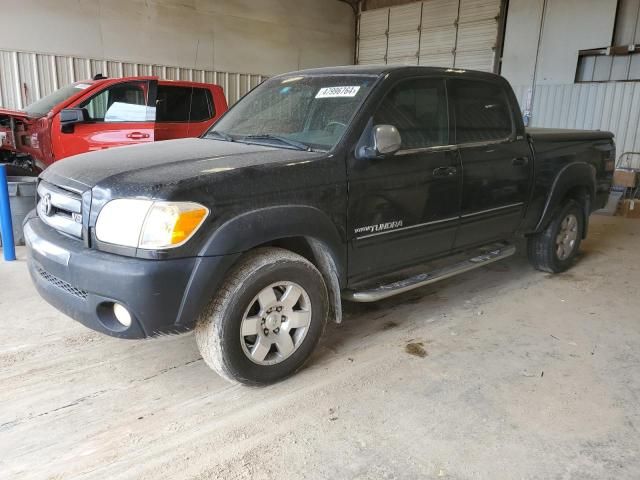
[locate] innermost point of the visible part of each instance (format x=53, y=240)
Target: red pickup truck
x=103, y=113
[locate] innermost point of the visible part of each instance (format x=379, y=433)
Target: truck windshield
x=300, y=112
x=43, y=106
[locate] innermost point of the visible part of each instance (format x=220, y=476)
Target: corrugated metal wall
x=443, y=33
x=613, y=106
x=25, y=77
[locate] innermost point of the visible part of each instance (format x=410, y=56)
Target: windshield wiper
x=278, y=138
x=224, y=136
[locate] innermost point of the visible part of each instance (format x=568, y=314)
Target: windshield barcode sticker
x=332, y=92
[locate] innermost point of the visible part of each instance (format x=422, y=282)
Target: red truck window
x=183, y=104
x=119, y=103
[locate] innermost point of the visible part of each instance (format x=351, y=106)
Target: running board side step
x=422, y=279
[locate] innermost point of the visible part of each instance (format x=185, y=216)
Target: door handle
x=137, y=135
x=520, y=161
x=444, y=171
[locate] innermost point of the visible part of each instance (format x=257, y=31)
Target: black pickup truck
x=353, y=183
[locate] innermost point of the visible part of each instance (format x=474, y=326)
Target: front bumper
x=163, y=296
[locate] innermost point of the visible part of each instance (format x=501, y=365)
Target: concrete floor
x=526, y=375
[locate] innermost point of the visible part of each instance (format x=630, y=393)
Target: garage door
x=442, y=33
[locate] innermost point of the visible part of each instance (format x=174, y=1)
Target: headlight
x=149, y=224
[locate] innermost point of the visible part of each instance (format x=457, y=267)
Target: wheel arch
x=322, y=258
x=575, y=181
x=304, y=230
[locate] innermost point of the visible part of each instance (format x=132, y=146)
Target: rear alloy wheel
x=554, y=249
x=266, y=319
x=567, y=237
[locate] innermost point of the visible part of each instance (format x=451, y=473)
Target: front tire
x=554, y=249
x=266, y=319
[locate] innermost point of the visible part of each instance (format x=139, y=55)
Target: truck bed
x=565, y=134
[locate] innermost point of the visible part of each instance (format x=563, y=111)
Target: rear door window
x=183, y=104
x=481, y=111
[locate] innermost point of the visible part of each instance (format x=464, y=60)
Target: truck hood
x=139, y=169
x=14, y=113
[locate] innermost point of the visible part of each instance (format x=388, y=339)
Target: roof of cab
x=383, y=69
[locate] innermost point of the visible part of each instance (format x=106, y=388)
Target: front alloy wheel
x=276, y=323
x=266, y=319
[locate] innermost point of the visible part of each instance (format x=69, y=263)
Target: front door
x=404, y=208
x=495, y=162
x=119, y=115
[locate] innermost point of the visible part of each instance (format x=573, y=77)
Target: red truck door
x=183, y=111
x=120, y=114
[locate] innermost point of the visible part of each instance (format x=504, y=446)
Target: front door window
x=124, y=102
x=418, y=109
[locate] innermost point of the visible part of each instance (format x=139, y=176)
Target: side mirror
x=386, y=141
x=70, y=116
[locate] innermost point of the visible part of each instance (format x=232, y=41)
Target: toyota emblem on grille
x=46, y=205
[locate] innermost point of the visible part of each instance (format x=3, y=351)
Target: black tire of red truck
x=266, y=319
x=554, y=249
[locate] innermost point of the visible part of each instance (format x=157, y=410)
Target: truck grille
x=60, y=209
x=58, y=282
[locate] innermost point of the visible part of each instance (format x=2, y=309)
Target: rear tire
x=554, y=249
x=266, y=319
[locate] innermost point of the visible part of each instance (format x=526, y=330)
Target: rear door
x=120, y=114
x=495, y=161
x=183, y=111
x=404, y=208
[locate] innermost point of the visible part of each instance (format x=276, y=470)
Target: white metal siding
x=437, y=40
x=426, y=33
x=403, y=48
x=439, y=13
x=478, y=10
x=26, y=77
x=475, y=59
x=372, y=36
x=405, y=18
x=404, y=34
x=627, y=30
x=437, y=59
x=477, y=34
x=438, y=36
x=613, y=106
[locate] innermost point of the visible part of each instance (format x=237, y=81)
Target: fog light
x=122, y=314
